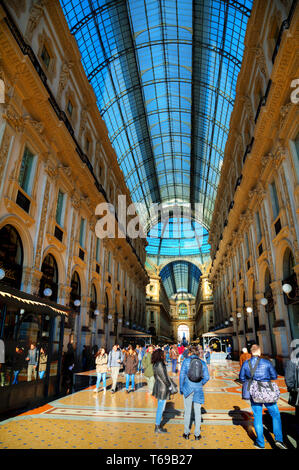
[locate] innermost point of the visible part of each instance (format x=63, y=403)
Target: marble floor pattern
x=84, y=420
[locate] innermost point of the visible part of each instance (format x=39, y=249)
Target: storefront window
x=27, y=339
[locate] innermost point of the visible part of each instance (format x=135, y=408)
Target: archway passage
x=183, y=334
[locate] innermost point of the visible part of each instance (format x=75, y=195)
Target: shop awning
x=21, y=299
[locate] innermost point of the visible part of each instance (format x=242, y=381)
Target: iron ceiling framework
x=164, y=73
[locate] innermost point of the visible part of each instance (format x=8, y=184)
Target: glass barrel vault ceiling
x=180, y=277
x=164, y=73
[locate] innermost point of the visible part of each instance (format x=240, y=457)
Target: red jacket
x=181, y=349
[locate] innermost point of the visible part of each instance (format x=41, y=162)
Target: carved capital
x=13, y=118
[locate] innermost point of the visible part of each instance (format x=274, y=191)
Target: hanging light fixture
x=249, y=310
x=287, y=288
x=96, y=312
x=109, y=317
x=264, y=301
x=226, y=322
x=48, y=292
x=239, y=315
x=77, y=303
x=231, y=318
x=2, y=274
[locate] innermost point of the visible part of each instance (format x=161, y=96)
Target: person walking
x=115, y=359
x=68, y=364
x=162, y=386
x=174, y=354
x=244, y=356
x=18, y=364
x=101, y=360
x=140, y=356
x=131, y=363
x=208, y=355
x=194, y=374
x=148, y=368
x=43, y=359
x=181, y=349
x=262, y=370
x=32, y=358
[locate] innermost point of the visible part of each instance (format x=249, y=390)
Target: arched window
x=49, y=279
x=11, y=256
x=76, y=289
x=183, y=310
x=93, y=297
x=288, y=263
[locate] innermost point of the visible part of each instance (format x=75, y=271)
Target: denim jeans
x=257, y=409
x=187, y=415
x=139, y=365
x=173, y=362
x=128, y=377
x=41, y=373
x=114, y=375
x=100, y=376
x=15, y=377
x=160, y=410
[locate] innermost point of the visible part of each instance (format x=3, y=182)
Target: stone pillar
x=36, y=276
x=282, y=335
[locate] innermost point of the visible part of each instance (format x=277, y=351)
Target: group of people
x=34, y=359
x=194, y=374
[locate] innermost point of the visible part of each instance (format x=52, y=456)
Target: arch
x=76, y=291
x=52, y=250
x=183, y=332
x=50, y=276
x=280, y=252
x=265, y=265
x=18, y=224
x=81, y=274
x=11, y=255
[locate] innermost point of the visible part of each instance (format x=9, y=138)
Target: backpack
x=195, y=372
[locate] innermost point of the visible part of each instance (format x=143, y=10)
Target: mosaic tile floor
x=85, y=420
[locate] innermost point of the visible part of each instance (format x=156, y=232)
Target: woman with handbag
x=194, y=374
x=163, y=386
x=256, y=373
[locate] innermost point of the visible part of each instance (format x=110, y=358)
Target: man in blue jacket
x=193, y=393
x=265, y=372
